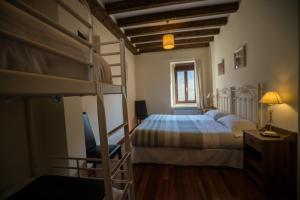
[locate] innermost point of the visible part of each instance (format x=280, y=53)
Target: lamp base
x=270, y=134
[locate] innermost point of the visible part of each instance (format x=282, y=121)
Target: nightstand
x=271, y=162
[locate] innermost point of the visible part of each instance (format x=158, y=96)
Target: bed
x=211, y=139
x=39, y=58
x=17, y=55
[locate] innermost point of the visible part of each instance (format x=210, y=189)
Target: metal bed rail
x=78, y=168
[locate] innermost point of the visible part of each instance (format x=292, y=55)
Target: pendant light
x=168, y=41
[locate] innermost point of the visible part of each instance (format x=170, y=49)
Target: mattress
x=20, y=57
x=188, y=157
x=184, y=131
x=61, y=187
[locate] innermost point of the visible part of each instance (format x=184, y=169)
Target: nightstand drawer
x=253, y=142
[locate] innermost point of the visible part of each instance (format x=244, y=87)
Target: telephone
x=270, y=134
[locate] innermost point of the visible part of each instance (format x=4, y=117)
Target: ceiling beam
x=177, y=35
x=186, y=46
x=180, y=14
x=106, y=20
x=177, y=42
x=133, y=5
x=177, y=26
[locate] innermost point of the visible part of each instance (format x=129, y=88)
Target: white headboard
x=224, y=99
x=242, y=101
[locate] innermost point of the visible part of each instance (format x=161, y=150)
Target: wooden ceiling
x=143, y=22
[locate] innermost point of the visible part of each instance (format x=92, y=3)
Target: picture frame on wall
x=240, y=57
x=221, y=68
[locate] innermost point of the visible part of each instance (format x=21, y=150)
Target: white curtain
x=199, y=85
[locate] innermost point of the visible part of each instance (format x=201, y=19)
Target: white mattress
x=17, y=56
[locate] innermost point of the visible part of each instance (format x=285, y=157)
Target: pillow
x=237, y=124
x=216, y=114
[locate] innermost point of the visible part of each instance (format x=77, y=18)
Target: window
x=185, y=83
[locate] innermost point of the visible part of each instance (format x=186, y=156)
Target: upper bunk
x=39, y=57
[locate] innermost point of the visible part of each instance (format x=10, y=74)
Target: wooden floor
x=167, y=182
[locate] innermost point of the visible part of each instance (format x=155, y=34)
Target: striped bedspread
x=186, y=131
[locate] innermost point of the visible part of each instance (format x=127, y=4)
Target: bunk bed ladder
x=101, y=115
x=109, y=174
x=125, y=118
x=123, y=67
x=104, y=143
x=128, y=148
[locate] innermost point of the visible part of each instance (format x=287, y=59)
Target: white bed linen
x=185, y=131
x=188, y=157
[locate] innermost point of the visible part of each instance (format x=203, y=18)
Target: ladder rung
x=67, y=158
x=120, y=172
x=69, y=167
x=117, y=128
x=121, y=162
x=116, y=76
x=119, y=181
x=114, y=64
x=110, y=54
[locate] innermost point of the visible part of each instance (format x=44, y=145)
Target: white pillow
x=237, y=124
x=216, y=114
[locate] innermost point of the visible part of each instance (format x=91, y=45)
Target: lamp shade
x=271, y=98
x=168, y=41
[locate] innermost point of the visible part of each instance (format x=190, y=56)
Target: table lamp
x=270, y=98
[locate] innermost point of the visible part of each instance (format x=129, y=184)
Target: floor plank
x=169, y=182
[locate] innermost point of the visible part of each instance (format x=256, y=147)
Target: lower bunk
x=62, y=187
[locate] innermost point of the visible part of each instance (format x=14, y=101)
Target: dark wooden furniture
x=141, y=112
x=271, y=162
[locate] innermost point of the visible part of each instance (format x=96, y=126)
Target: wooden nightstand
x=271, y=162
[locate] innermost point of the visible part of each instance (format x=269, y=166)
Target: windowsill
x=185, y=105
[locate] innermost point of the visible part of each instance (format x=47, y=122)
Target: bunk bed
x=39, y=57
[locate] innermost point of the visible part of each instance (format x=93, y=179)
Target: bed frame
x=16, y=83
x=242, y=101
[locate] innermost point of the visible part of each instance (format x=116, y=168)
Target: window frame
x=185, y=67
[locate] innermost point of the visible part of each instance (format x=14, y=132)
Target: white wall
x=14, y=152
x=153, y=76
x=74, y=129
x=269, y=29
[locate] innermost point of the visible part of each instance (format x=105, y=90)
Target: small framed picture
x=240, y=57
x=221, y=68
